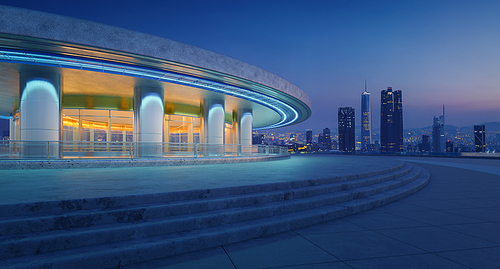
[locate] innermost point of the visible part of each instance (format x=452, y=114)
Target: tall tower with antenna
x=366, y=120
x=438, y=138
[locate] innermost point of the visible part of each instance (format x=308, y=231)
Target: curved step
x=58, y=240
x=152, y=247
x=62, y=207
x=138, y=213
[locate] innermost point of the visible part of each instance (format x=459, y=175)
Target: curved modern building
x=66, y=79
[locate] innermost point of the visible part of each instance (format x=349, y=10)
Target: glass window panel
x=99, y=134
x=95, y=112
x=70, y=112
x=123, y=114
x=85, y=134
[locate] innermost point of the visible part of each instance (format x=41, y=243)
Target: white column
x=149, y=117
x=215, y=132
x=40, y=113
x=213, y=126
x=215, y=122
x=246, y=125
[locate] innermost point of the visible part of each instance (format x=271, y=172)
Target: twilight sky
x=436, y=52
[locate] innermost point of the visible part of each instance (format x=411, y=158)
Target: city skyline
x=447, y=50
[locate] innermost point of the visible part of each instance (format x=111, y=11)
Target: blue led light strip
x=287, y=113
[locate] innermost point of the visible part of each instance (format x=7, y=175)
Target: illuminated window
x=182, y=129
x=97, y=125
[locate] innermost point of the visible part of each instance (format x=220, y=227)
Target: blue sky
x=436, y=52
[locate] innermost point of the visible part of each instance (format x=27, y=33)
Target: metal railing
x=15, y=149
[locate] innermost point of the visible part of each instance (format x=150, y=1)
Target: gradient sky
x=436, y=52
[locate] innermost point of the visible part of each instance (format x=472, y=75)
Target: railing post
x=131, y=150
x=267, y=150
x=239, y=150
x=195, y=149
x=48, y=148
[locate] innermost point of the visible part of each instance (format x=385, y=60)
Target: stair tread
x=391, y=190
x=4, y=220
x=134, y=245
x=180, y=218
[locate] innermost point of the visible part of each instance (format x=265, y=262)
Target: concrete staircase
x=107, y=232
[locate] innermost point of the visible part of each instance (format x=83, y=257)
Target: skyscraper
x=391, y=121
x=438, y=141
x=426, y=144
x=366, y=120
x=325, y=140
x=309, y=137
x=449, y=146
x=346, y=129
x=479, y=138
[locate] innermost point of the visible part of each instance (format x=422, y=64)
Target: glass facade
x=101, y=125
x=182, y=129
x=105, y=133
x=97, y=125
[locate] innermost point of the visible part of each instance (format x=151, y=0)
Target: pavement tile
x=435, y=239
x=274, y=251
x=400, y=207
x=383, y=221
x=416, y=261
x=212, y=258
x=476, y=202
x=334, y=226
x=327, y=265
x=486, y=230
x=437, y=204
x=496, y=208
x=360, y=245
x=483, y=258
x=485, y=214
x=434, y=217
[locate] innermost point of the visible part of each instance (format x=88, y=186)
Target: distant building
x=325, y=140
x=426, y=144
x=366, y=120
x=309, y=137
x=449, y=146
x=346, y=129
x=438, y=139
x=258, y=139
x=479, y=138
x=409, y=148
x=391, y=121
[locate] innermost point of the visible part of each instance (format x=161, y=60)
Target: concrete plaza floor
x=37, y=185
x=454, y=222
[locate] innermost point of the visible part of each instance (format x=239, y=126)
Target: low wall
x=114, y=163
